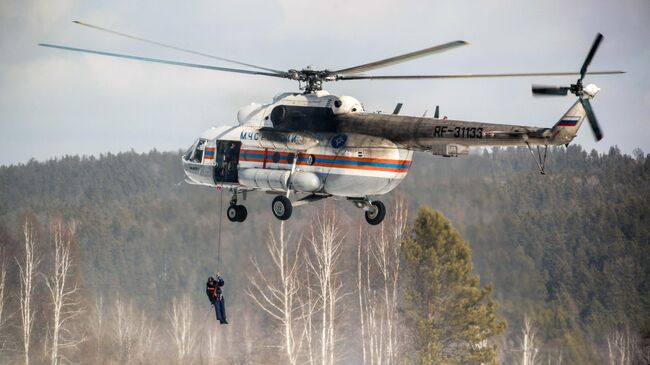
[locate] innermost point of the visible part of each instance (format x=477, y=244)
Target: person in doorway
x=215, y=294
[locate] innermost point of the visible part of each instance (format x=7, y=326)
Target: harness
x=215, y=292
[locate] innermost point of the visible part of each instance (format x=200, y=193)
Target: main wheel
x=232, y=213
x=242, y=213
x=281, y=207
x=375, y=213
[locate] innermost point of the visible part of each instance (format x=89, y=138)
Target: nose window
x=195, y=153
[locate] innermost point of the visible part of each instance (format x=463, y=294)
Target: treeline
x=297, y=307
x=569, y=251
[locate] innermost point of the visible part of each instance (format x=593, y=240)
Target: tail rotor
x=584, y=93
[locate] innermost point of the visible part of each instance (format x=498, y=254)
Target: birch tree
x=27, y=268
x=133, y=333
x=325, y=244
x=386, y=252
x=182, y=332
x=378, y=267
x=97, y=324
x=623, y=347
x=530, y=345
x=64, y=294
x=3, y=281
x=276, y=291
x=212, y=346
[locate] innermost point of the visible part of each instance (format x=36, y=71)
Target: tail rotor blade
x=550, y=90
x=590, y=56
x=592, y=119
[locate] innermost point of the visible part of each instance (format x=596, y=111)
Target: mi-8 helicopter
x=312, y=145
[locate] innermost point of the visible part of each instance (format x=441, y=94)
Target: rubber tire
x=381, y=213
x=232, y=213
x=287, y=208
x=242, y=213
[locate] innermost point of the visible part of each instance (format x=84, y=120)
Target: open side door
x=226, y=162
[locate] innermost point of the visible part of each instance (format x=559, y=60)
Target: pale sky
x=55, y=103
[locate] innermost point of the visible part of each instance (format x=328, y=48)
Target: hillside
x=570, y=249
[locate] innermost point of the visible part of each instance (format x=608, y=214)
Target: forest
x=480, y=260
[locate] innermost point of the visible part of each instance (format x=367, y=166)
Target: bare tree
x=623, y=347
x=27, y=269
x=308, y=307
x=64, y=296
x=182, y=333
x=97, y=324
x=378, y=267
x=530, y=345
x=387, y=251
x=212, y=344
x=325, y=245
x=3, y=283
x=360, y=292
x=134, y=334
x=276, y=292
x=145, y=339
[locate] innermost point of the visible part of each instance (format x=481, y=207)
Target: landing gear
x=236, y=213
x=281, y=207
x=375, y=213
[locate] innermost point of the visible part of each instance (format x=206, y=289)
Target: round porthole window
x=311, y=160
x=276, y=157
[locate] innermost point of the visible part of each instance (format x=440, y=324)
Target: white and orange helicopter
x=312, y=145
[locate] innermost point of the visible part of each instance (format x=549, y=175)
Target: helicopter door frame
x=226, y=163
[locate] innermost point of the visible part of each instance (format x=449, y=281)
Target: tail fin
x=567, y=127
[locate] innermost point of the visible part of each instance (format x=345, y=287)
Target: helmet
x=210, y=279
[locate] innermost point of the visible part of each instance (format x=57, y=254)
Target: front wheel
x=242, y=213
x=375, y=213
x=237, y=213
x=281, y=207
x=231, y=212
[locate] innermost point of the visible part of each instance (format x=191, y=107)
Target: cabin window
x=276, y=157
x=290, y=158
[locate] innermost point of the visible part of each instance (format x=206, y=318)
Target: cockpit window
x=195, y=153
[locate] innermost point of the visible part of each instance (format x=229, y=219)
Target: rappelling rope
x=219, y=235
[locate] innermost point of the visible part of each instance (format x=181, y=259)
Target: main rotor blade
x=460, y=76
x=590, y=56
x=550, y=90
x=399, y=59
x=175, y=63
x=174, y=47
x=592, y=119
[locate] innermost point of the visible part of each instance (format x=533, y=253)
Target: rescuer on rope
x=215, y=294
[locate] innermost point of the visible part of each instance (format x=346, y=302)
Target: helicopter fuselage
x=267, y=152
x=344, y=165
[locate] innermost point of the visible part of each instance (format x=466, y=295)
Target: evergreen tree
x=452, y=316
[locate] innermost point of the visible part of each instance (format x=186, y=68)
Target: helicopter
x=311, y=145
